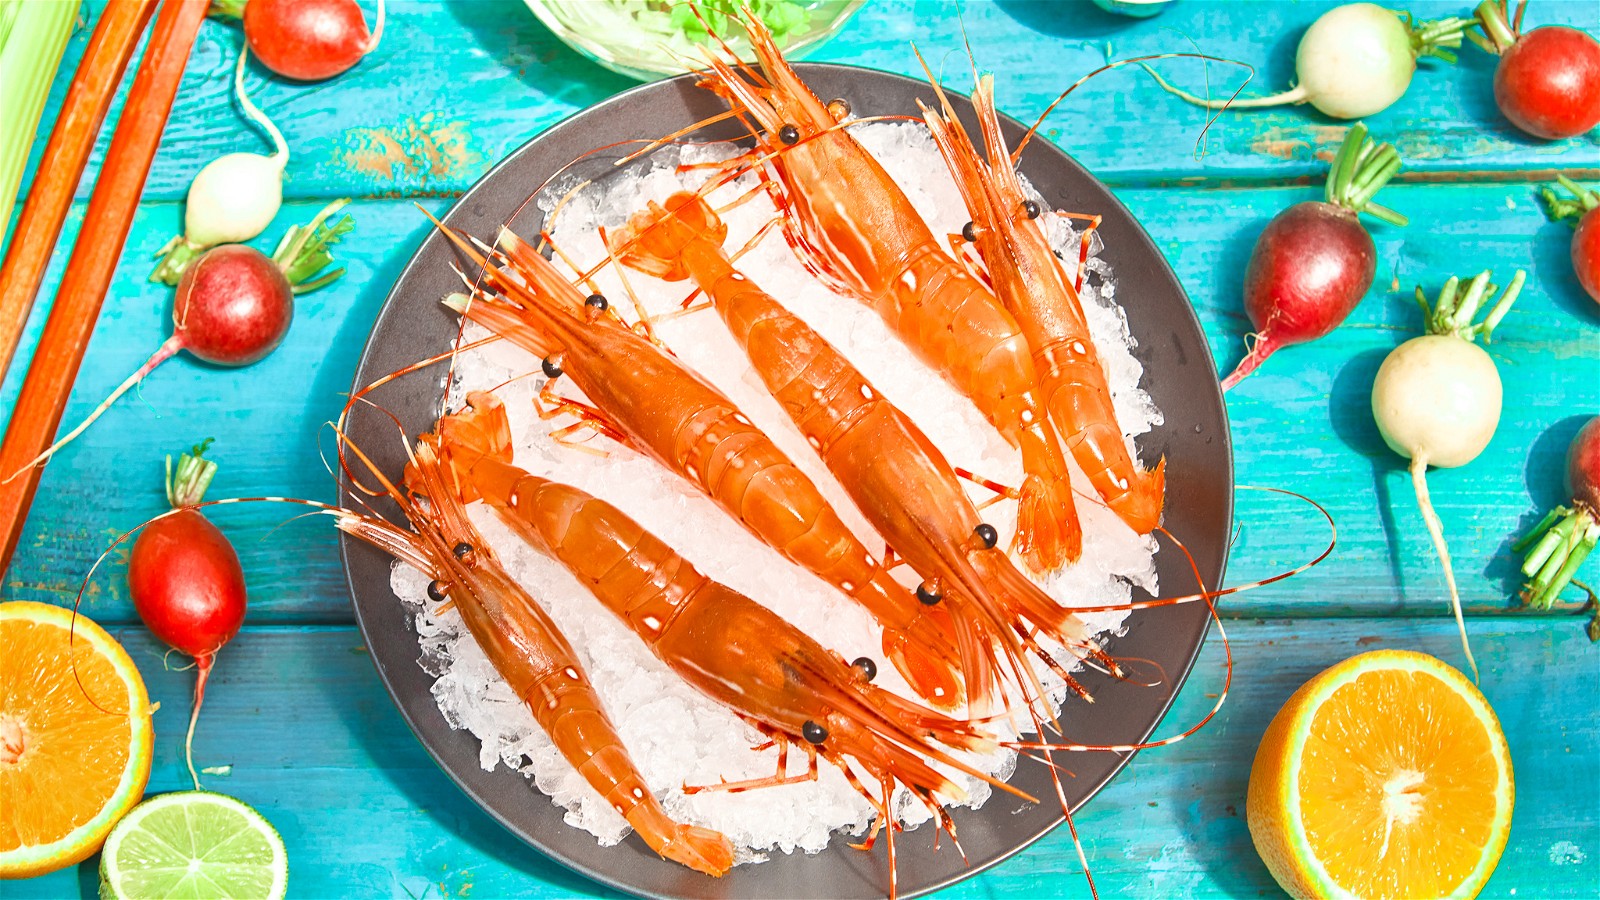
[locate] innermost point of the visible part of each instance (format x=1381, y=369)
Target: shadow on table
x=334, y=379
x=510, y=34
x=1350, y=414
x=402, y=761
x=1546, y=477
x=1230, y=268
x=1080, y=19
x=1552, y=268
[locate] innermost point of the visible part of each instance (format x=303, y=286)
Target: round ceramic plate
x=1194, y=438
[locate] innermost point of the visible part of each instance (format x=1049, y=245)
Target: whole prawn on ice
x=896, y=476
x=782, y=682
x=534, y=658
x=854, y=228
x=1028, y=278
x=644, y=398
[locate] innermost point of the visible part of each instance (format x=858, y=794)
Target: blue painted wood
x=364, y=812
x=317, y=745
x=457, y=85
x=1302, y=423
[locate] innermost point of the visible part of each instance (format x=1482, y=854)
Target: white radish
x=1437, y=399
x=1355, y=60
x=232, y=199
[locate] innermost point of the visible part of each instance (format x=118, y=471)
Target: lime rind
x=1346, y=673
x=194, y=844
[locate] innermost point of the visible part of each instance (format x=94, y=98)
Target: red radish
x=1315, y=261
x=307, y=40
x=1437, y=399
x=1580, y=211
x=104, y=230
x=234, y=304
x=1558, y=545
x=186, y=580
x=1548, y=80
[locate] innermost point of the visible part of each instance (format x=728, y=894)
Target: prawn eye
x=969, y=232
x=462, y=550
x=1031, y=208
x=928, y=592
x=789, y=134
x=867, y=667
x=839, y=108
x=596, y=301
x=437, y=591
x=551, y=366
x=987, y=535
x=813, y=732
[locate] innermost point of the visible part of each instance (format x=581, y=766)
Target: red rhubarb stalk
x=110, y=48
x=44, y=394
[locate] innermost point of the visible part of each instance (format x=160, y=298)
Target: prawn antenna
x=1250, y=72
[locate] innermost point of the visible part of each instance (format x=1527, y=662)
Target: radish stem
x=1361, y=169
x=203, y=664
x=1437, y=399
x=1569, y=209
x=1354, y=60
x=1499, y=32
x=187, y=486
x=303, y=251
x=1561, y=542
x=254, y=113
x=1419, y=481
x=377, y=28
x=233, y=198
x=168, y=347
x=1292, y=96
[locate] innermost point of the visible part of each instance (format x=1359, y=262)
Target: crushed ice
x=674, y=735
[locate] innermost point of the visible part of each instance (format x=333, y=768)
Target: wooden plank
x=316, y=745
x=268, y=420
x=1302, y=423
x=455, y=87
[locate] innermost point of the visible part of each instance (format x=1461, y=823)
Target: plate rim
x=551, y=132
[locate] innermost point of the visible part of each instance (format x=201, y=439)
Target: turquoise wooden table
x=296, y=709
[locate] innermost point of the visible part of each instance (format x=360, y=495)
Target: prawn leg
x=828, y=188
x=895, y=475
x=664, y=411
x=532, y=655
x=1028, y=279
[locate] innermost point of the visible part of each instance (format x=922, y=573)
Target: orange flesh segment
x=1397, y=793
x=73, y=754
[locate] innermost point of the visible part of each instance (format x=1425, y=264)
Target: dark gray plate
x=1178, y=373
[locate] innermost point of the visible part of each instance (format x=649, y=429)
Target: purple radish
x=1315, y=260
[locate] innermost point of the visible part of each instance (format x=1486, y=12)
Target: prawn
x=532, y=655
x=782, y=682
x=647, y=400
x=1028, y=278
x=854, y=228
x=895, y=475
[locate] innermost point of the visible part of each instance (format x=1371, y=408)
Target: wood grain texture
x=458, y=84
x=315, y=742
x=1302, y=423
x=43, y=394
x=364, y=812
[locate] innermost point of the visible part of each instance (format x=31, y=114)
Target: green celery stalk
x=33, y=38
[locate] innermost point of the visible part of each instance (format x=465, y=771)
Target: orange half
x=1386, y=776
x=74, y=751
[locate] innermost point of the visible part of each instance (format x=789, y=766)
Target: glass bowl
x=637, y=37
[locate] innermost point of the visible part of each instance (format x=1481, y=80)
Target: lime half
x=193, y=844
